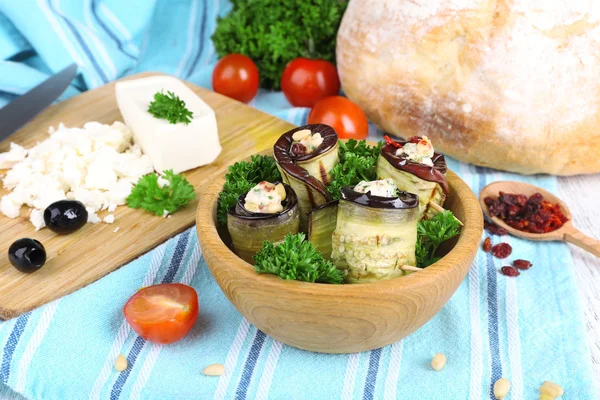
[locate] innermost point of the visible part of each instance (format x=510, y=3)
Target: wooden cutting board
x=85, y=256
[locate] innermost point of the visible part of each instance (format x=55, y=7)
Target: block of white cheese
x=179, y=147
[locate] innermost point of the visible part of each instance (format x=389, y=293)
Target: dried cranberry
x=522, y=264
x=521, y=200
x=501, y=250
x=510, y=271
x=488, y=201
x=298, y=149
x=536, y=198
x=507, y=198
x=487, y=245
x=513, y=210
x=513, y=223
x=494, y=229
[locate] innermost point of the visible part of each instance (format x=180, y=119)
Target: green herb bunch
x=431, y=233
x=242, y=176
x=147, y=194
x=170, y=107
x=274, y=32
x=296, y=259
x=357, y=163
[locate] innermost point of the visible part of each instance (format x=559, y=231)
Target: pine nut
x=438, y=362
x=546, y=397
x=214, y=370
x=120, y=363
x=501, y=388
x=551, y=389
x=299, y=135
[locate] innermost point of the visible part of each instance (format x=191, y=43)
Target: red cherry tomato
x=348, y=120
x=162, y=313
x=304, y=81
x=236, y=76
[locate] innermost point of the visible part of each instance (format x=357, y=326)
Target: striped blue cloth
x=527, y=329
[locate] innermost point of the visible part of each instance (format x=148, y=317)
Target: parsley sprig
x=242, y=176
x=431, y=233
x=296, y=259
x=147, y=194
x=170, y=107
x=357, y=163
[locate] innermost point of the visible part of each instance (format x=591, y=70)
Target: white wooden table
x=581, y=195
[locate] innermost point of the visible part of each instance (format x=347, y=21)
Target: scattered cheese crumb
x=93, y=218
x=116, y=229
x=96, y=164
x=15, y=155
x=37, y=219
x=169, y=216
x=109, y=219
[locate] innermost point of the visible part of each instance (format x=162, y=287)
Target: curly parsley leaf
x=242, y=176
x=170, y=107
x=289, y=29
x=357, y=163
x=147, y=194
x=431, y=233
x=296, y=259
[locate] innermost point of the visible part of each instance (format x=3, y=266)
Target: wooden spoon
x=567, y=232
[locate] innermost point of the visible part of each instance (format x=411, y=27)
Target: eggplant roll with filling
x=305, y=157
x=416, y=168
x=375, y=235
x=266, y=212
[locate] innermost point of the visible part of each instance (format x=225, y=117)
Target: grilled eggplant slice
x=321, y=224
x=374, y=236
x=249, y=229
x=427, y=182
x=308, y=173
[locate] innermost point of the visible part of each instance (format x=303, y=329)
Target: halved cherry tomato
x=236, y=76
x=305, y=81
x=162, y=313
x=348, y=120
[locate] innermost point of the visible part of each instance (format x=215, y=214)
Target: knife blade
x=22, y=109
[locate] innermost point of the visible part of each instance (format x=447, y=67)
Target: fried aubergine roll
x=376, y=231
x=267, y=212
x=305, y=157
x=415, y=168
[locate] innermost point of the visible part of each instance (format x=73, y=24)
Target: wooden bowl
x=341, y=318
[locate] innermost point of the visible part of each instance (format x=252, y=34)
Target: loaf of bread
x=513, y=85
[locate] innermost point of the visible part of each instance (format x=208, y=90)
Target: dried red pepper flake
x=415, y=139
x=501, y=250
x=522, y=264
x=510, y=271
x=487, y=245
x=389, y=140
x=533, y=214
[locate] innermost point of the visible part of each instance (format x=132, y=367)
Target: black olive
x=65, y=216
x=27, y=255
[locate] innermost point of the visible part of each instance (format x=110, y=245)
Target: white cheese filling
x=96, y=164
x=382, y=188
x=265, y=198
x=310, y=141
x=420, y=152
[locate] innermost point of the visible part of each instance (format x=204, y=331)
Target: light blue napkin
x=527, y=329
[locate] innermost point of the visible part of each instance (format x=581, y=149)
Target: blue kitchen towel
x=527, y=329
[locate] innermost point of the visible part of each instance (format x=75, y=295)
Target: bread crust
x=482, y=79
